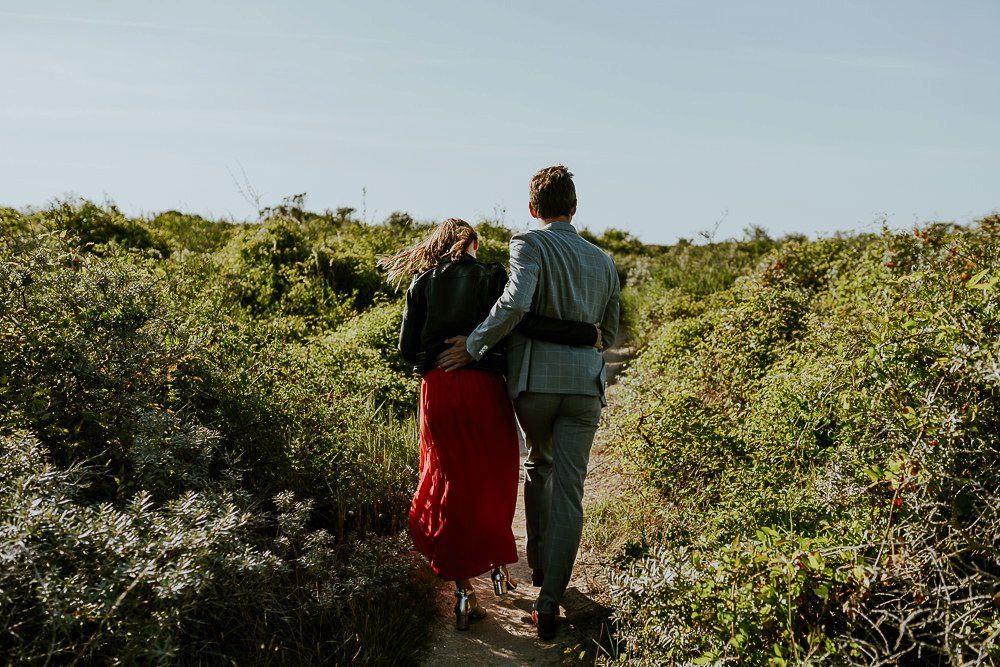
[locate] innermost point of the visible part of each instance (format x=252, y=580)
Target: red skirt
x=463, y=509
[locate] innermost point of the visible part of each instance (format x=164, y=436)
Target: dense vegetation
x=815, y=454
x=202, y=420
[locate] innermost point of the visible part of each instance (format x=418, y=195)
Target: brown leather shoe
x=545, y=621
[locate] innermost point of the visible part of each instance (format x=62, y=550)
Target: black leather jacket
x=452, y=298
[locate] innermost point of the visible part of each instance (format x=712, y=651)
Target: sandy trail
x=506, y=636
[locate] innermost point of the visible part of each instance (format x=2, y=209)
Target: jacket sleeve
x=609, y=321
x=549, y=329
x=513, y=303
x=564, y=332
x=413, y=323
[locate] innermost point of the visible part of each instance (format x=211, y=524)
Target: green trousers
x=559, y=432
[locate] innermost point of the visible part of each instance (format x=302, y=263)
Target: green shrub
x=86, y=348
x=148, y=583
x=101, y=364
x=192, y=233
x=840, y=400
x=186, y=410
x=100, y=225
x=771, y=600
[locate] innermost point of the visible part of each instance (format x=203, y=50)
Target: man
x=558, y=390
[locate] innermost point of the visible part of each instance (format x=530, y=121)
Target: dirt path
x=506, y=636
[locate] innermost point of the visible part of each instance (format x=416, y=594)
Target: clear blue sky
x=795, y=116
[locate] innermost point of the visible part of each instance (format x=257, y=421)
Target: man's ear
x=531, y=209
x=475, y=244
x=572, y=211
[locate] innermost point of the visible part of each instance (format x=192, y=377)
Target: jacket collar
x=561, y=227
x=464, y=257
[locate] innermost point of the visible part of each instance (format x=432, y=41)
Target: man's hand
x=455, y=356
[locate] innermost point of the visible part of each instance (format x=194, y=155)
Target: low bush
x=174, y=455
x=147, y=583
x=100, y=226
x=822, y=436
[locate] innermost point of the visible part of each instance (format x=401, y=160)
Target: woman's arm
x=413, y=323
x=565, y=332
x=550, y=329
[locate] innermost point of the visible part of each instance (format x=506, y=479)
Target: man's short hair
x=552, y=193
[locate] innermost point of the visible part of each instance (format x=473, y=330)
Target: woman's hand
x=599, y=343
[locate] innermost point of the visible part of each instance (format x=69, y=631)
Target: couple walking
x=466, y=327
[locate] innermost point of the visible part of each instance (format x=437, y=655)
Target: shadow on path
x=506, y=636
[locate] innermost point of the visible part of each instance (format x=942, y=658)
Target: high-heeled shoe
x=462, y=609
x=511, y=582
x=502, y=581
x=476, y=612
x=467, y=609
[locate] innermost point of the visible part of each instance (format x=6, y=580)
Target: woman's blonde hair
x=448, y=241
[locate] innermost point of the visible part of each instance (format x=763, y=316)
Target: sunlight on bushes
x=822, y=435
x=203, y=420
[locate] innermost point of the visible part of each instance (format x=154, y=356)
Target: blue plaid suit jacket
x=555, y=272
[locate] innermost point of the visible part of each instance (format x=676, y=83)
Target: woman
x=462, y=512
